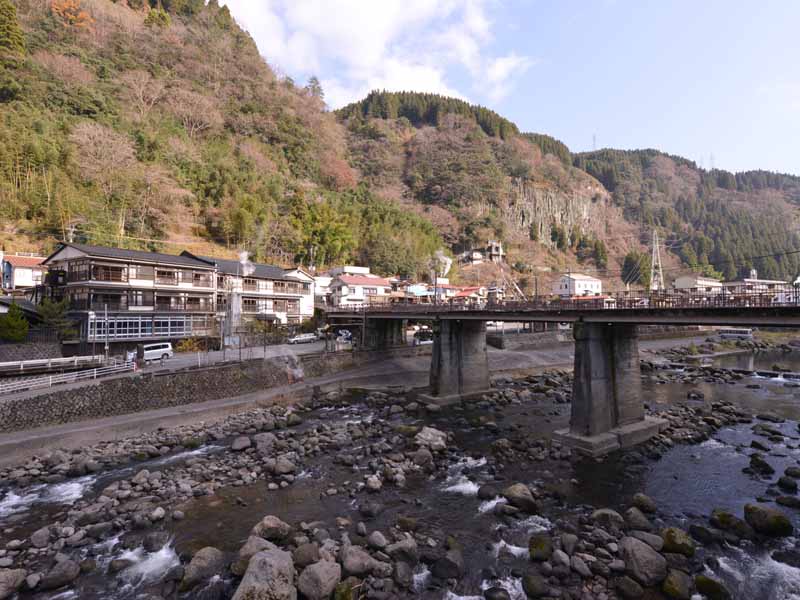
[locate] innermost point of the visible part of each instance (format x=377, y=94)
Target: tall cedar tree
x=12, y=40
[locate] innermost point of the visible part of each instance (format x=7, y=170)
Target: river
x=686, y=483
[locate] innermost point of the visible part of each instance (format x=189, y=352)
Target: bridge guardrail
x=621, y=301
x=20, y=366
x=51, y=380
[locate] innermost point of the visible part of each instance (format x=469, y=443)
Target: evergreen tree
x=13, y=326
x=314, y=87
x=12, y=40
x=54, y=316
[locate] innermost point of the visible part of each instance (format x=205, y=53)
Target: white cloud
x=501, y=72
x=355, y=46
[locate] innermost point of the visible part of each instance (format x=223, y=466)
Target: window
x=368, y=291
x=78, y=270
x=279, y=305
x=144, y=272
x=250, y=284
x=166, y=277
x=140, y=298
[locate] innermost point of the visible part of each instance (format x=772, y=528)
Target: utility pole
x=656, y=270
x=105, y=310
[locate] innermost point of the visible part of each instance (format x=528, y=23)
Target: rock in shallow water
x=642, y=562
x=206, y=563
x=767, y=520
x=269, y=576
x=60, y=575
x=10, y=581
x=319, y=580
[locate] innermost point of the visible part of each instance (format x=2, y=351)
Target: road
x=193, y=359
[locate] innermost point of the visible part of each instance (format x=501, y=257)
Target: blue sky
x=715, y=81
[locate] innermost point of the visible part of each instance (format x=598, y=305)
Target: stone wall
x=149, y=391
x=29, y=351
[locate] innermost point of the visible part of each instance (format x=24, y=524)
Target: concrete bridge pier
x=607, y=403
x=459, y=362
x=381, y=334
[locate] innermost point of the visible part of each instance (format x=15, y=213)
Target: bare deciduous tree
x=144, y=90
x=105, y=157
x=198, y=113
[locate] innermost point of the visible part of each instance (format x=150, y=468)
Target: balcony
x=114, y=276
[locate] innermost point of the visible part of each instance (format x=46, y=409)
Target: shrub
x=189, y=345
x=13, y=326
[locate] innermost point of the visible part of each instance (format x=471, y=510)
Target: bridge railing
x=730, y=297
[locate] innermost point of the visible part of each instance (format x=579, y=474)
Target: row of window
x=121, y=328
x=85, y=270
x=251, y=284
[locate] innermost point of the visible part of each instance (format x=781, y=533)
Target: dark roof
x=26, y=305
x=136, y=255
x=233, y=267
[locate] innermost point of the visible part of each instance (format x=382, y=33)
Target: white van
x=160, y=351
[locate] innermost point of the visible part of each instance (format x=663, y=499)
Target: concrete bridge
x=607, y=406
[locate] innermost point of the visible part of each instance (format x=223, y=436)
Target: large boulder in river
x=520, y=496
x=711, y=588
x=358, y=562
x=318, y=581
x=269, y=576
x=10, y=581
x=608, y=518
x=677, y=541
x=431, y=438
x=240, y=443
x=272, y=528
x=727, y=521
x=759, y=465
x=643, y=563
x=206, y=563
x=60, y=575
x=253, y=546
x=767, y=520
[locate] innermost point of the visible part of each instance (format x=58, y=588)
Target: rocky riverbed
x=375, y=495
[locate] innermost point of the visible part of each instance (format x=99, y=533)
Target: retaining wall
x=149, y=391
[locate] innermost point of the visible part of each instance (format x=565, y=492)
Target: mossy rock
x=676, y=540
x=711, y=588
x=540, y=547
x=727, y=521
x=767, y=520
x=407, y=430
x=677, y=585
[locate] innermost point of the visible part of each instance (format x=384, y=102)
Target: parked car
x=423, y=337
x=160, y=351
x=303, y=338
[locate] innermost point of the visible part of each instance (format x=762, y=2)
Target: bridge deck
x=764, y=316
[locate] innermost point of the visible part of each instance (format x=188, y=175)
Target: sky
x=716, y=81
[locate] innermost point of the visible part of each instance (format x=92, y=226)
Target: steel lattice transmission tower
x=656, y=270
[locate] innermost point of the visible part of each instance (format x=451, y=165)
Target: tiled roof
x=137, y=255
x=23, y=261
x=260, y=271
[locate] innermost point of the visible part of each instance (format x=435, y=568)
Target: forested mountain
x=716, y=221
x=157, y=124
x=139, y=127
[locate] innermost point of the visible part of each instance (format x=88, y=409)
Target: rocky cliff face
x=533, y=209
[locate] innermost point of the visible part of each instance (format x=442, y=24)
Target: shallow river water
x=686, y=484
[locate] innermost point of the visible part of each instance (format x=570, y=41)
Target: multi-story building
x=119, y=295
x=575, y=284
x=21, y=272
x=252, y=290
x=356, y=291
